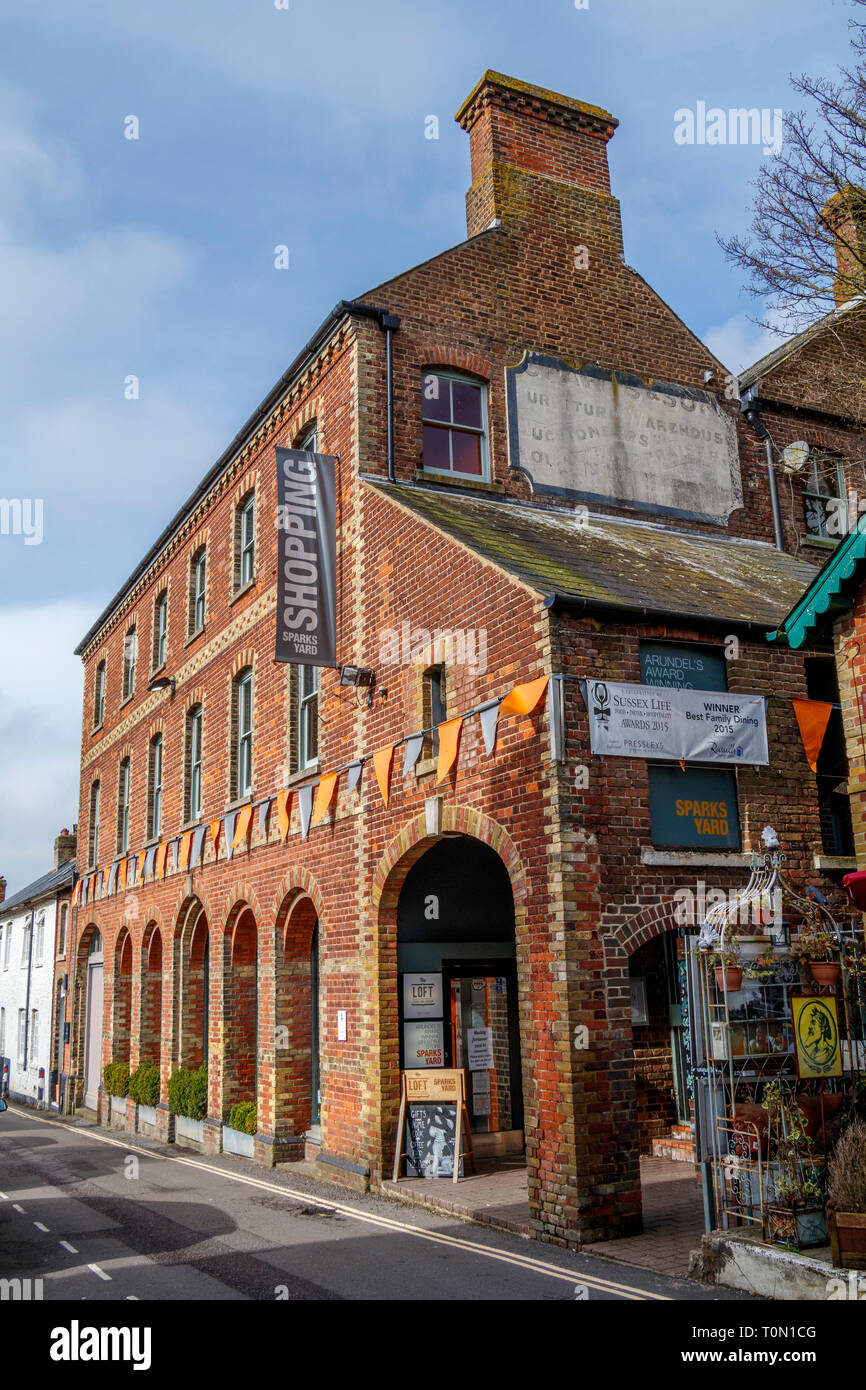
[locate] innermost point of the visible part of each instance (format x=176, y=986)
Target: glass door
x=483, y=1038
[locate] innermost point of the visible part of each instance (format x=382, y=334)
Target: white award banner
x=654, y=721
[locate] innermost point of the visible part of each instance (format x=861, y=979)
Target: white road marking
x=4, y=1196
x=71, y=1248
x=101, y=1272
x=39, y=1226
x=527, y=1262
x=16, y=1206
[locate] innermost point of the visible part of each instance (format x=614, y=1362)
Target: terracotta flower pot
x=825, y=972
x=848, y=1239
x=729, y=977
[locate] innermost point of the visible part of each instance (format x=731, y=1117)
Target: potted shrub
x=115, y=1078
x=187, y=1101
x=729, y=971
x=144, y=1085
x=846, y=1192
x=238, y=1132
x=795, y=1211
x=762, y=967
x=820, y=950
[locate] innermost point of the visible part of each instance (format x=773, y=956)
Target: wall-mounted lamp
x=357, y=675
x=162, y=683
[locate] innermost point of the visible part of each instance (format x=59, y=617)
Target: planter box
x=801, y=1227
x=236, y=1142
x=118, y=1108
x=848, y=1239
x=147, y=1115
x=185, y=1128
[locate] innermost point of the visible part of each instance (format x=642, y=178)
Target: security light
x=162, y=683
x=357, y=675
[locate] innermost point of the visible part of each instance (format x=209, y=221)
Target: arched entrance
x=298, y=1066
x=457, y=982
x=240, y=1010
x=122, y=998
x=192, y=988
x=150, y=1033
x=94, y=997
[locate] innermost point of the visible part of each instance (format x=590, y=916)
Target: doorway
x=315, y=1062
x=483, y=1038
x=93, y=1022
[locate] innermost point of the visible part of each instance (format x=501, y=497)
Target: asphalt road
x=98, y=1218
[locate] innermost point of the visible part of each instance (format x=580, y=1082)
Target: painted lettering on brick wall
x=307, y=567
x=603, y=437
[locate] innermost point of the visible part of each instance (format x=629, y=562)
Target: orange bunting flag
x=215, y=827
x=382, y=764
x=284, y=814
x=242, y=826
x=185, y=845
x=121, y=873
x=449, y=741
x=140, y=865
x=76, y=893
x=813, y=717
x=682, y=764
x=325, y=795
x=160, y=861
x=524, y=698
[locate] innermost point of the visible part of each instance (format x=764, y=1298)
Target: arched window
x=192, y=798
x=61, y=931
x=129, y=650
x=454, y=416
x=242, y=734
x=197, y=586
x=99, y=695
x=245, y=541
x=93, y=826
x=160, y=631
x=123, y=791
x=154, y=788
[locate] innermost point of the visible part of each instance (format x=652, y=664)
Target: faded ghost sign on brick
x=608, y=437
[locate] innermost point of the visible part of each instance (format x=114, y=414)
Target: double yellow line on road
x=387, y=1223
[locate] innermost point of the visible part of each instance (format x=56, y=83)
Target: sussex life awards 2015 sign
x=653, y=721
x=307, y=563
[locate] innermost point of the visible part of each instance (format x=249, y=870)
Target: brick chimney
x=65, y=848
x=845, y=216
x=517, y=131
x=2, y=889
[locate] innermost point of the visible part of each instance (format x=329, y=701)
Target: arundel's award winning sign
x=307, y=558
x=650, y=721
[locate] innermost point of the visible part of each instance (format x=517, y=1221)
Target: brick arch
x=390, y=874
x=240, y=897
x=297, y=882
x=181, y=904
x=622, y=941
x=457, y=360
x=407, y=848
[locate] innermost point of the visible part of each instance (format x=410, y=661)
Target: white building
x=33, y=926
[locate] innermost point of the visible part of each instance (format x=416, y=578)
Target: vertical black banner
x=307, y=558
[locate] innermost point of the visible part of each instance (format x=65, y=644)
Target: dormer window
x=454, y=416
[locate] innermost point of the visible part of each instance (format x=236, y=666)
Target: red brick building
x=537, y=457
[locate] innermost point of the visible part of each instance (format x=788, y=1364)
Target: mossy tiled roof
x=614, y=561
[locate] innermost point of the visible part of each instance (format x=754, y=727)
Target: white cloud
x=738, y=342
x=40, y=730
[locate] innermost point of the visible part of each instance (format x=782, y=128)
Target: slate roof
x=767, y=364
x=617, y=562
x=43, y=887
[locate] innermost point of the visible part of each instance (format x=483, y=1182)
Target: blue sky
x=262, y=126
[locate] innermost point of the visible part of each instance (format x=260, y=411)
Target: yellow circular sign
x=818, y=1035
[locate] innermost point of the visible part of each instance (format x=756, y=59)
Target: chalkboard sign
x=433, y=1126
x=431, y=1131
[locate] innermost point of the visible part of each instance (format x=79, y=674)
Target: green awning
x=827, y=591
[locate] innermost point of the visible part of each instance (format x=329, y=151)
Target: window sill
x=236, y=805
x=127, y=700
x=422, y=769
x=242, y=593
x=149, y=844
x=156, y=670
x=303, y=774
x=694, y=858
x=191, y=825
x=821, y=542
x=423, y=475
x=97, y=728
x=194, y=636
x=840, y=863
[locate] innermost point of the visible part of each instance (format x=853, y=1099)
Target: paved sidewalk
x=673, y=1220
x=497, y=1195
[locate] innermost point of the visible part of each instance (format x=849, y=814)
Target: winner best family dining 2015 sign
x=652, y=721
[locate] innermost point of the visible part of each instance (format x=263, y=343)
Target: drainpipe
x=27, y=996
x=389, y=322
x=761, y=432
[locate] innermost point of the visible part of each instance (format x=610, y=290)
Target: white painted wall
x=24, y=1081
